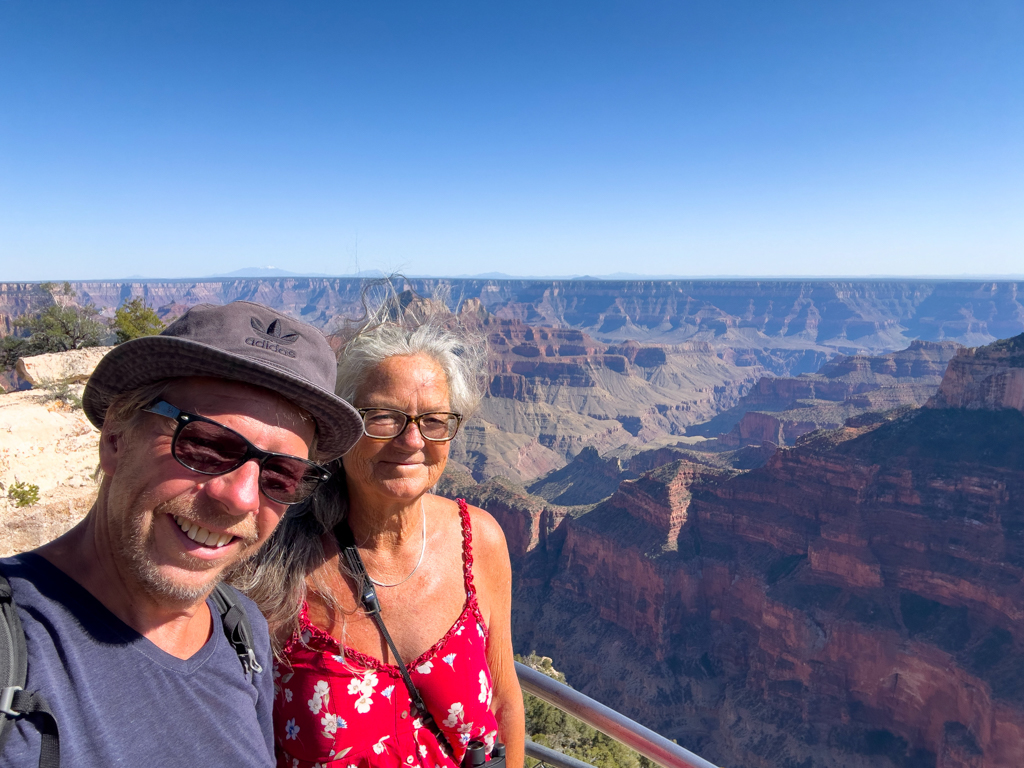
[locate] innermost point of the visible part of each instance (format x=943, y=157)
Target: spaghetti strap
x=467, y=550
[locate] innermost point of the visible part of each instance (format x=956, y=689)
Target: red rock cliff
x=858, y=601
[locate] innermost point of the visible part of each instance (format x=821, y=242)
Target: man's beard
x=137, y=549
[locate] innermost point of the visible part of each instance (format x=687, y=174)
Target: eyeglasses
x=386, y=423
x=209, y=448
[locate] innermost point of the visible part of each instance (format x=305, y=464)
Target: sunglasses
x=387, y=423
x=209, y=448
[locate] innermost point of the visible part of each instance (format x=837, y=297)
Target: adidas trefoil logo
x=273, y=332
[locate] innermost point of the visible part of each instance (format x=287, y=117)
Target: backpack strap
x=15, y=701
x=237, y=627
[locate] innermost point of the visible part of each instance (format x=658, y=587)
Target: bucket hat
x=241, y=341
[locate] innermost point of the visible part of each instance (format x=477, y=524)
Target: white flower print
x=479, y=629
x=330, y=724
x=321, y=694
x=423, y=750
x=363, y=705
x=291, y=729
x=449, y=660
x=466, y=728
x=489, y=739
x=484, y=692
x=455, y=713
x=363, y=686
x=287, y=694
x=425, y=667
x=379, y=746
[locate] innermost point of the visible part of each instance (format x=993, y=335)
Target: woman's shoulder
x=486, y=531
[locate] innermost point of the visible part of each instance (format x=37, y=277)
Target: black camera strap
x=368, y=598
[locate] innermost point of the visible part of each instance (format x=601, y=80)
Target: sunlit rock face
x=554, y=392
x=858, y=601
x=990, y=378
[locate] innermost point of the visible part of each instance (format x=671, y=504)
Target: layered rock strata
x=858, y=601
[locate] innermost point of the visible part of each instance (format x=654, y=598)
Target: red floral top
x=339, y=708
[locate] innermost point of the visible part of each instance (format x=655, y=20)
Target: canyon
x=780, y=522
x=855, y=601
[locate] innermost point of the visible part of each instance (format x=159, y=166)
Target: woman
x=440, y=568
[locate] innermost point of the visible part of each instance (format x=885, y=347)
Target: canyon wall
x=857, y=601
x=796, y=319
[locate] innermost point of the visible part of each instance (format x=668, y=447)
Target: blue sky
x=180, y=139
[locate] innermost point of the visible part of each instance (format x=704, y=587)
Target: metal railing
x=605, y=719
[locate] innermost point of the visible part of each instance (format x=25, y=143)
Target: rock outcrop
x=991, y=377
x=72, y=367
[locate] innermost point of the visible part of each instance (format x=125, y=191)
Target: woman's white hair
x=403, y=324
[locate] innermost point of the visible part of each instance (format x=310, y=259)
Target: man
x=207, y=432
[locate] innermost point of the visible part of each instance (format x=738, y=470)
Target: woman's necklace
x=423, y=548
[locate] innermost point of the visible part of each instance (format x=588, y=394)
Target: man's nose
x=238, y=490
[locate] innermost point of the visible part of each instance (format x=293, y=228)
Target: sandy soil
x=52, y=445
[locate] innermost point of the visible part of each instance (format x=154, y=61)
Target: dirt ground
x=50, y=444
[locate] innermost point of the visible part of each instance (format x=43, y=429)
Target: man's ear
x=111, y=448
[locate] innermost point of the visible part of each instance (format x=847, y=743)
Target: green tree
x=11, y=348
x=135, y=319
x=62, y=324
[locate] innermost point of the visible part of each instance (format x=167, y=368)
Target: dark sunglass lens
x=287, y=480
x=209, y=448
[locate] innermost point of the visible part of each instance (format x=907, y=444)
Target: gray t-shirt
x=121, y=701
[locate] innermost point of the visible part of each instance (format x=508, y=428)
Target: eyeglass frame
x=410, y=419
x=184, y=418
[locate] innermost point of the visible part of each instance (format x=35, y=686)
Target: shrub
x=550, y=726
x=62, y=389
x=23, y=494
x=135, y=319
